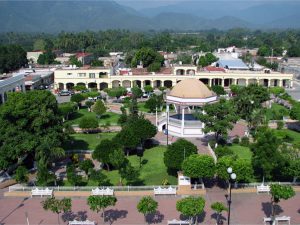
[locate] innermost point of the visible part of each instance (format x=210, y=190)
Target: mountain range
x=56, y=16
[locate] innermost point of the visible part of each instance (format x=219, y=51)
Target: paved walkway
x=246, y=209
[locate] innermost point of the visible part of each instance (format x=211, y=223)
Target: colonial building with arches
x=102, y=78
x=11, y=84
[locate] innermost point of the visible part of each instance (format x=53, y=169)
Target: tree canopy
x=12, y=57
x=199, y=166
x=147, y=205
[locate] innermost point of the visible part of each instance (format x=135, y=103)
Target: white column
x=279, y=84
x=291, y=83
x=168, y=117
x=182, y=122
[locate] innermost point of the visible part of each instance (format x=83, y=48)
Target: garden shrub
x=245, y=141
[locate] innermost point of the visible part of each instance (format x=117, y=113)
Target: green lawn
x=241, y=151
x=108, y=117
x=153, y=172
x=288, y=136
x=276, y=112
x=86, y=141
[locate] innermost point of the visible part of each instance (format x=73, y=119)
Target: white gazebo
x=185, y=97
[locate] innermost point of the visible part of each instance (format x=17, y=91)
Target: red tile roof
x=214, y=69
x=81, y=54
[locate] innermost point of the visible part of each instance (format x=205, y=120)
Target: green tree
x=46, y=58
x=221, y=167
x=243, y=170
x=21, y=174
x=88, y=123
x=12, y=57
x=96, y=63
x=30, y=125
x=279, y=192
x=219, y=90
x=98, y=177
x=72, y=176
x=148, y=88
x=295, y=112
x=137, y=92
x=147, y=205
x=86, y=165
x=116, y=92
x=218, y=118
x=128, y=172
x=202, y=61
x=89, y=104
x=266, y=159
x=44, y=176
x=78, y=98
x=57, y=205
x=177, y=152
x=74, y=61
x=294, y=169
x=66, y=109
x=146, y=56
x=103, y=150
x=191, y=207
x=199, y=166
x=127, y=138
x=218, y=207
x=99, y=108
x=154, y=67
x=80, y=88
x=100, y=203
x=276, y=90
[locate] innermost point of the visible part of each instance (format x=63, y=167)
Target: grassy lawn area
x=276, y=112
x=110, y=117
x=153, y=172
x=86, y=141
x=241, y=151
x=288, y=136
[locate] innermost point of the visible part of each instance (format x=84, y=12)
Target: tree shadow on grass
x=267, y=208
x=156, y=217
x=113, y=215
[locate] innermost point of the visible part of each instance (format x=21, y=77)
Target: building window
x=101, y=74
x=69, y=74
x=81, y=74
x=92, y=75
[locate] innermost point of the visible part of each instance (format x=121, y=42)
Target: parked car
x=64, y=93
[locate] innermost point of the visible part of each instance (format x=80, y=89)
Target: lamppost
x=232, y=177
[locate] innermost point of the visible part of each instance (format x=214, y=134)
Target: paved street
x=246, y=209
x=295, y=91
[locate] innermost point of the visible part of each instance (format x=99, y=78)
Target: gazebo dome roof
x=191, y=88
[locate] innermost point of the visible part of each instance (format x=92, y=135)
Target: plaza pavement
x=247, y=208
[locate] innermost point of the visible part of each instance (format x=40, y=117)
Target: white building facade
x=11, y=84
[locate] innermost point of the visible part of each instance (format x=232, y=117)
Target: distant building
x=85, y=58
x=232, y=64
x=11, y=84
x=35, y=78
x=33, y=56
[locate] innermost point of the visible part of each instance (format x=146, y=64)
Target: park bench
x=164, y=191
x=77, y=222
x=267, y=220
x=262, y=188
x=105, y=191
x=178, y=222
x=41, y=192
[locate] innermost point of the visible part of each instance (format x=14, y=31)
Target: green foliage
x=207, y=59
x=184, y=58
x=147, y=56
x=66, y=109
x=219, y=90
x=154, y=67
x=280, y=125
x=236, y=140
x=267, y=159
x=21, y=175
x=86, y=165
x=89, y=104
x=98, y=203
x=137, y=92
x=221, y=151
x=190, y=206
x=127, y=138
x=77, y=98
x=196, y=166
x=12, y=57
x=218, y=118
x=221, y=167
x=87, y=123
x=99, y=108
x=245, y=141
x=30, y=123
x=218, y=207
x=295, y=112
x=46, y=58
x=147, y=205
x=155, y=101
x=148, y=88
x=128, y=172
x=96, y=63
x=294, y=168
x=116, y=92
x=103, y=151
x=80, y=88
x=44, y=177
x=98, y=177
x=74, y=61
x=177, y=152
x=276, y=90
x=244, y=170
x=72, y=176
x=57, y=205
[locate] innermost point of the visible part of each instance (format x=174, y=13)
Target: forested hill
x=57, y=16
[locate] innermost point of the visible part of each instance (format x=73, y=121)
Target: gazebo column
x=182, y=122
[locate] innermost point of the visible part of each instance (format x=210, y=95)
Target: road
x=295, y=91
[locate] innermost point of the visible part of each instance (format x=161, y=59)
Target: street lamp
x=232, y=177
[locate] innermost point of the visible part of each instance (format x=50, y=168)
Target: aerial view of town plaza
x=137, y=112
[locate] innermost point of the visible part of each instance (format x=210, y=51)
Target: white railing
x=89, y=188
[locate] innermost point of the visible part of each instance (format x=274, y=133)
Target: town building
x=33, y=56
x=105, y=77
x=11, y=84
